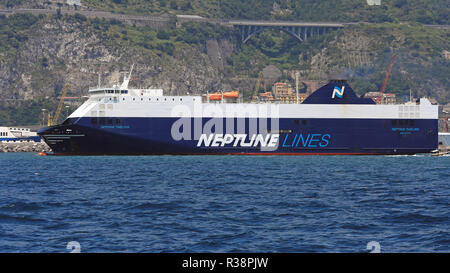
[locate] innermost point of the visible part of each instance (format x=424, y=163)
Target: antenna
x=296, y=85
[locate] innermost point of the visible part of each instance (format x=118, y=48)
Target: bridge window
x=93, y=120
x=394, y=122
x=102, y=121
x=117, y=121
x=110, y=121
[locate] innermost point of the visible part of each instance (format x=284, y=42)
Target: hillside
x=421, y=11
x=39, y=54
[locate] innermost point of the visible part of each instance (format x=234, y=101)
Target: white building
x=74, y=2
x=373, y=2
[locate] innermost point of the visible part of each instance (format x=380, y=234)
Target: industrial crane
x=388, y=74
x=52, y=120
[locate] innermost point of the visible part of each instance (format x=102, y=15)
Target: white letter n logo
x=338, y=92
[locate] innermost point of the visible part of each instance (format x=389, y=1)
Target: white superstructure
x=8, y=134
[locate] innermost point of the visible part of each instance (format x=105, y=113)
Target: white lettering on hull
x=239, y=140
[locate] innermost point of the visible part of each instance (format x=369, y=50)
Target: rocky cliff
x=64, y=50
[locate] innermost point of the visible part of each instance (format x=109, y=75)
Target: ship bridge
x=118, y=91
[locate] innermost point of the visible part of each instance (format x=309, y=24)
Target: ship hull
x=154, y=136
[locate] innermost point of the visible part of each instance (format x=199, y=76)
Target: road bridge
x=299, y=30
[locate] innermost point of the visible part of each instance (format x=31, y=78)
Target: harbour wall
x=30, y=147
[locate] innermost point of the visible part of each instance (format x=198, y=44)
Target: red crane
x=388, y=74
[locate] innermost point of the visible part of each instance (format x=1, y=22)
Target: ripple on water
x=224, y=203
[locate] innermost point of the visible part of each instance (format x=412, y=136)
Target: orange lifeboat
x=226, y=95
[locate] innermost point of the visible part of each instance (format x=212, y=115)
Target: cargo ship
x=333, y=120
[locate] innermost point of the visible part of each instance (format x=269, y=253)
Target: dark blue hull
x=152, y=136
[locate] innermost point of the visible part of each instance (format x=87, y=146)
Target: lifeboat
x=226, y=95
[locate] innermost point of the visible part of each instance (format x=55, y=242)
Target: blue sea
x=224, y=203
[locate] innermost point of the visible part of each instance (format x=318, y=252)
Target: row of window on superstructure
x=157, y=99
x=110, y=91
x=103, y=121
x=149, y=99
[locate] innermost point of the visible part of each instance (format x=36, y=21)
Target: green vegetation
x=422, y=11
x=11, y=3
x=279, y=48
x=163, y=41
x=26, y=112
x=418, y=51
x=13, y=32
